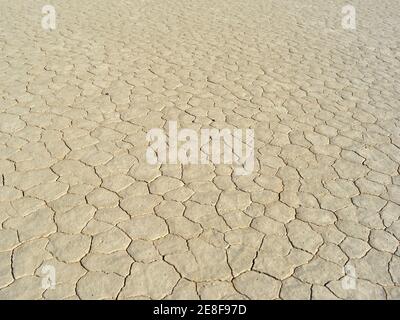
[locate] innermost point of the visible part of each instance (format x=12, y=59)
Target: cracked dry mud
x=76, y=192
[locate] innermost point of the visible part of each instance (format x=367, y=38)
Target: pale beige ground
x=76, y=192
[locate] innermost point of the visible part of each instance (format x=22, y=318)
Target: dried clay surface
x=76, y=191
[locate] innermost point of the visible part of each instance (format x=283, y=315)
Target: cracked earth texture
x=77, y=194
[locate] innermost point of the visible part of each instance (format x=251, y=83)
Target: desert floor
x=81, y=208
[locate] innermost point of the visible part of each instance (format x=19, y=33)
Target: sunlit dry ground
x=77, y=193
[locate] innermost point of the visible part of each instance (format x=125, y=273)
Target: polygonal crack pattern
x=77, y=194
